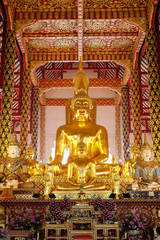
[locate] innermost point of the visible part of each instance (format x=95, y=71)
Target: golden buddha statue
x=116, y=170
x=34, y=167
x=87, y=142
x=129, y=167
x=13, y=167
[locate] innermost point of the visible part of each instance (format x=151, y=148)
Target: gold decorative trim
x=138, y=21
x=126, y=63
x=34, y=64
x=20, y=24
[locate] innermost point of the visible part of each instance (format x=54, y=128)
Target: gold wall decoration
x=117, y=132
x=34, y=64
x=138, y=21
x=25, y=111
x=125, y=63
x=112, y=3
x=153, y=86
x=136, y=109
x=7, y=94
x=126, y=76
x=20, y=24
x=38, y=45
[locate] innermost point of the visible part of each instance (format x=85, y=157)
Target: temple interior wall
x=55, y=117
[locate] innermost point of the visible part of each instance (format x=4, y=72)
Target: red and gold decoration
x=117, y=132
x=125, y=122
x=25, y=111
x=35, y=120
x=153, y=85
x=7, y=95
x=136, y=114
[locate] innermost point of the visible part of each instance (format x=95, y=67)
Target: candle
x=6, y=219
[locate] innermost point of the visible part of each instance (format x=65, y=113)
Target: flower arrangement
x=55, y=210
x=98, y=203
x=133, y=221
x=109, y=211
x=106, y=215
x=66, y=203
x=110, y=206
x=140, y=237
x=26, y=219
x=4, y=234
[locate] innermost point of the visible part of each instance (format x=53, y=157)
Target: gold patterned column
x=136, y=108
x=7, y=94
x=153, y=86
x=125, y=122
x=42, y=132
x=118, y=132
x=35, y=121
x=25, y=111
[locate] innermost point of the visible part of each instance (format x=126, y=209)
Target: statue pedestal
x=89, y=194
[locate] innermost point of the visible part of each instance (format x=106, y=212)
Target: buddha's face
x=82, y=149
x=81, y=108
x=146, y=155
x=13, y=151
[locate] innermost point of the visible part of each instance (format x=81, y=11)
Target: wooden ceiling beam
x=92, y=13
x=62, y=101
x=94, y=82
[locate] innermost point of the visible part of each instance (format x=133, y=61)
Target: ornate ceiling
x=106, y=34
x=98, y=31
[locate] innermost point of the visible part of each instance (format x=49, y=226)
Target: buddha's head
x=14, y=147
x=146, y=150
x=81, y=104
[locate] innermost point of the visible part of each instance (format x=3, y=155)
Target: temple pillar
x=42, y=132
x=153, y=86
x=25, y=111
x=125, y=122
x=7, y=93
x=35, y=121
x=118, y=132
x=136, y=108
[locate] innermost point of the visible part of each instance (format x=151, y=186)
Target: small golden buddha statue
x=13, y=167
x=129, y=167
x=87, y=142
x=116, y=172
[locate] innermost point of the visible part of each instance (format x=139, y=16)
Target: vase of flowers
x=26, y=219
x=106, y=216
x=4, y=234
x=133, y=222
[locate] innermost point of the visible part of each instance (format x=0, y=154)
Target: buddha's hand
x=135, y=184
x=56, y=164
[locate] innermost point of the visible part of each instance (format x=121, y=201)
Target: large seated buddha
x=87, y=142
